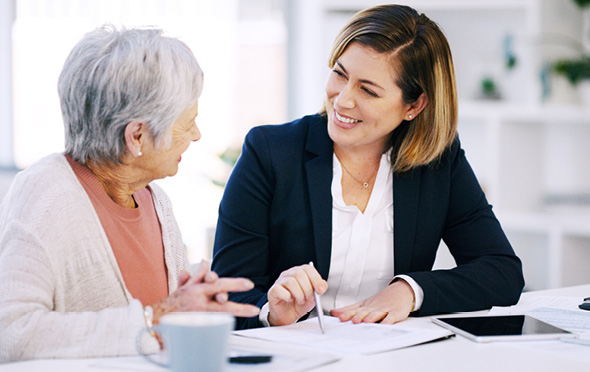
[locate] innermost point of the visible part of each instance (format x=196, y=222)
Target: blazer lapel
x=406, y=195
x=318, y=165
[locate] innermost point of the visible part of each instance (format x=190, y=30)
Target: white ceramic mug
x=195, y=341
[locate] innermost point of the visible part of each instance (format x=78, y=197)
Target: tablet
x=488, y=328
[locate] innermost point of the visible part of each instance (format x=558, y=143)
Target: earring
x=139, y=153
x=411, y=116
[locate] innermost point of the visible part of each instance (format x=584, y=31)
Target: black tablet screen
x=511, y=325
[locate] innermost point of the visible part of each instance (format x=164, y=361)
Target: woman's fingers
x=226, y=285
x=239, y=310
x=346, y=313
x=392, y=318
x=297, y=285
x=183, y=277
x=391, y=305
x=301, y=281
x=360, y=316
x=199, y=275
x=210, y=277
x=291, y=296
x=221, y=298
x=278, y=293
x=375, y=316
x=317, y=282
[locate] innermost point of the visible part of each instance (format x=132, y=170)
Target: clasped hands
x=205, y=291
x=291, y=297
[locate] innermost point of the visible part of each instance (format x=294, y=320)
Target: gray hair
x=113, y=77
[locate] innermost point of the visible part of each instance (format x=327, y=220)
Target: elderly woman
x=89, y=248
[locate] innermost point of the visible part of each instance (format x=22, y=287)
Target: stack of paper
x=347, y=338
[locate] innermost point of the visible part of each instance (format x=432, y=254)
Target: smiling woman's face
x=160, y=163
x=363, y=103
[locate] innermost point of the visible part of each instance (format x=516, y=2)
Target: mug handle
x=148, y=357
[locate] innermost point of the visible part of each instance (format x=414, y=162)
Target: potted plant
x=577, y=70
x=574, y=70
x=582, y=3
x=577, y=73
x=228, y=159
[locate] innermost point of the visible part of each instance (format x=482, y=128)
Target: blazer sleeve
x=241, y=246
x=488, y=272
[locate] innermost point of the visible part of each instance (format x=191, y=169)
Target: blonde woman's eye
x=370, y=92
x=339, y=73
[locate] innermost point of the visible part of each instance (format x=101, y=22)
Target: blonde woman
x=366, y=190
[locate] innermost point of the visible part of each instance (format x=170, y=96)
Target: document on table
x=347, y=338
x=291, y=359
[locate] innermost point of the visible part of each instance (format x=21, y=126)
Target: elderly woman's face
x=162, y=163
x=363, y=103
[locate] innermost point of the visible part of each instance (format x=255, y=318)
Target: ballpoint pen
x=318, y=307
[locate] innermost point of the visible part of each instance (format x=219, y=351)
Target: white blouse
x=362, y=243
x=361, y=263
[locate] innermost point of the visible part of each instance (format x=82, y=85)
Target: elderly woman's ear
x=134, y=137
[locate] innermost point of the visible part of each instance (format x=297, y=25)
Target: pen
x=318, y=307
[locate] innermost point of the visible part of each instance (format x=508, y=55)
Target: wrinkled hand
x=393, y=304
x=291, y=296
x=205, y=291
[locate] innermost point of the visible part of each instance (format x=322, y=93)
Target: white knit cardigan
x=62, y=294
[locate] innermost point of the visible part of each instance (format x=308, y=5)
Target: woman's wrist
x=150, y=320
x=157, y=312
x=148, y=314
x=411, y=290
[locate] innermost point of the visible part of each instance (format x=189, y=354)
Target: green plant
x=574, y=70
x=230, y=155
x=582, y=3
x=489, y=89
x=229, y=158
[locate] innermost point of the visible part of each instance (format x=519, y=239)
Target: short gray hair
x=113, y=77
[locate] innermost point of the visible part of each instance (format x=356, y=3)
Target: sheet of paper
x=285, y=358
x=347, y=338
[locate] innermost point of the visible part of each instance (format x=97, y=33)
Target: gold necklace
x=364, y=184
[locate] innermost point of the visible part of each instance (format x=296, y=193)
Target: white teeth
x=346, y=120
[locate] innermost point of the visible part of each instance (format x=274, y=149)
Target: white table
x=455, y=354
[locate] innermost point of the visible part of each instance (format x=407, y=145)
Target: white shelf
x=512, y=112
x=522, y=148
x=425, y=5
x=573, y=221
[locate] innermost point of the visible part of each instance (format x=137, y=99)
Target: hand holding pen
x=319, y=308
x=292, y=295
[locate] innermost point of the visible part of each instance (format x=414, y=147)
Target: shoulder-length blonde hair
x=421, y=58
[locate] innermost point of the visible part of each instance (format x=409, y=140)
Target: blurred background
x=523, y=73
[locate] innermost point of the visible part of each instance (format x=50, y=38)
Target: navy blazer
x=276, y=213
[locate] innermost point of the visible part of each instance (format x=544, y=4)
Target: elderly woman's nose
x=195, y=133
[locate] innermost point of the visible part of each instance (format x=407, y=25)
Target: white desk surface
x=455, y=354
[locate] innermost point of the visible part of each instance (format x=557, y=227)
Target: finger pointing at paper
x=291, y=296
x=393, y=304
